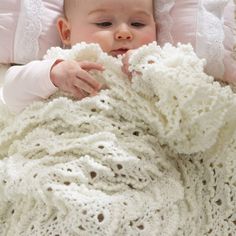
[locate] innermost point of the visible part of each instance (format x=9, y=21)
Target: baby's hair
x=68, y=6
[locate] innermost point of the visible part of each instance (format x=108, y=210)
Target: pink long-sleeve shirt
x=28, y=83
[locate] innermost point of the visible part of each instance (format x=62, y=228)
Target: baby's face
x=117, y=25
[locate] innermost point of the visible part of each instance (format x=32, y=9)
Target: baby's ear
x=64, y=30
x=157, y=28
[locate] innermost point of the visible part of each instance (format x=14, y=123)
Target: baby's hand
x=125, y=67
x=72, y=77
x=125, y=61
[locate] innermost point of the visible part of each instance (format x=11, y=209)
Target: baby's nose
x=123, y=33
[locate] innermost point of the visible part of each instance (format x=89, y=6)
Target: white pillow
x=28, y=29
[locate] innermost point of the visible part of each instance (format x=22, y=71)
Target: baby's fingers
x=86, y=65
x=81, y=85
x=78, y=93
x=125, y=61
x=86, y=78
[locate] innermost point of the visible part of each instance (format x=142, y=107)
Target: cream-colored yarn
x=155, y=156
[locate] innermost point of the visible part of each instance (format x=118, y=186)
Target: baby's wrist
x=52, y=74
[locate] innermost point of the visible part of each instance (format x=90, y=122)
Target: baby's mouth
x=119, y=51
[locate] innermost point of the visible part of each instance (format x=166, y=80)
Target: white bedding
x=152, y=157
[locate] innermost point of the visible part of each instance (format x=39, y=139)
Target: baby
x=117, y=26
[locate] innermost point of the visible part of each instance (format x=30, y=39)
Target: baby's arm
x=38, y=80
x=28, y=83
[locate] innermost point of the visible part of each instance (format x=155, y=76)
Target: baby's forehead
x=74, y=3
x=71, y=5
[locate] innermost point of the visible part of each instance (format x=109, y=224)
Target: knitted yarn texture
x=151, y=156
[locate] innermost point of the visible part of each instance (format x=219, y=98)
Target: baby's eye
x=104, y=24
x=137, y=24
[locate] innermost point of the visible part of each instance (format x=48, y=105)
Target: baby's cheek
x=104, y=39
x=148, y=38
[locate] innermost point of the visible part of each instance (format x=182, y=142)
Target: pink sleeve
x=26, y=84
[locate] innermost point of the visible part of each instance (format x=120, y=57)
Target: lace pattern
x=28, y=30
x=164, y=20
x=210, y=36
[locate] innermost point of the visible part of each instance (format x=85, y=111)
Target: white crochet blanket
x=155, y=156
